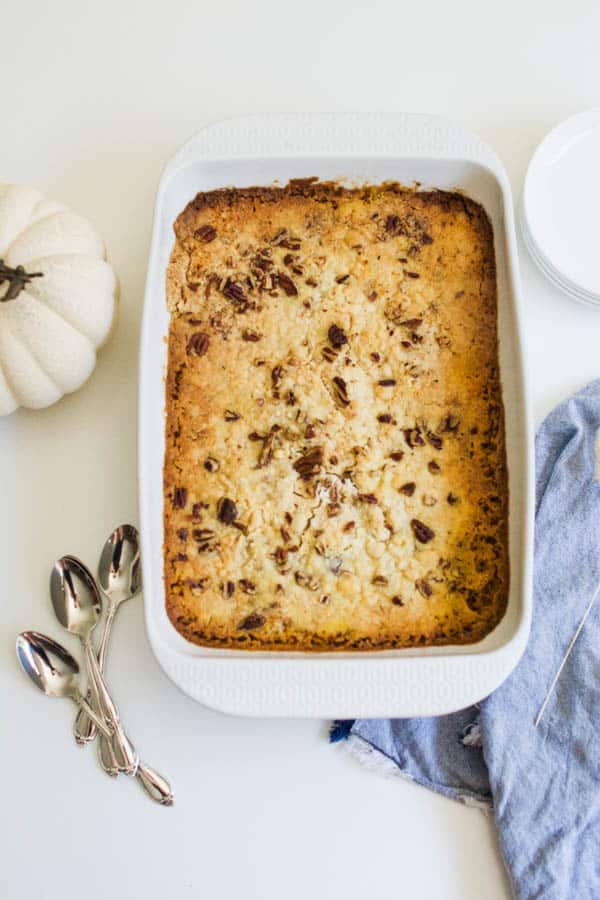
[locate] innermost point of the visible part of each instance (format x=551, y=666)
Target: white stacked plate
x=560, y=208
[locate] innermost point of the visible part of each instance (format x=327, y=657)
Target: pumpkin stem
x=17, y=279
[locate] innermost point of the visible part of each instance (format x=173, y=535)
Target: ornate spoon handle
x=84, y=728
x=127, y=757
x=156, y=786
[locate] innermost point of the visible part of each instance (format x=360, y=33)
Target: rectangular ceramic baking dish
x=260, y=150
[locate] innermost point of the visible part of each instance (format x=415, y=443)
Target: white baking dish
x=356, y=148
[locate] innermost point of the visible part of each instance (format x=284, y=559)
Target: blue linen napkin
x=543, y=783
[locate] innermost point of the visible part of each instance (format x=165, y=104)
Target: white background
x=95, y=98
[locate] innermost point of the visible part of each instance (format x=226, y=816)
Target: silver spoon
x=53, y=670
x=56, y=673
x=77, y=606
x=120, y=578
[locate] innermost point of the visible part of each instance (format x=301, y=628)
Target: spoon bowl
x=75, y=596
x=119, y=570
x=49, y=665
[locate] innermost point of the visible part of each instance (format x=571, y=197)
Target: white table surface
x=95, y=97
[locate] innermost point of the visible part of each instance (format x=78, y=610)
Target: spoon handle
x=84, y=728
x=127, y=756
x=84, y=705
x=156, y=786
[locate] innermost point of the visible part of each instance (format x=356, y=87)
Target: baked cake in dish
x=335, y=472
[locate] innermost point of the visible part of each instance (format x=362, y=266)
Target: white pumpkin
x=57, y=299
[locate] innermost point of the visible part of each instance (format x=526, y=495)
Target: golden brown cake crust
x=335, y=473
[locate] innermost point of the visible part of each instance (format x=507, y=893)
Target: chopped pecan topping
x=202, y=535
x=266, y=451
x=413, y=437
x=285, y=534
x=262, y=261
x=423, y=587
x=226, y=511
x=309, y=464
x=248, y=587
x=367, y=498
x=229, y=588
x=376, y=357
x=235, y=292
x=255, y=436
x=277, y=375
x=379, y=579
x=206, y=234
x=387, y=382
x=408, y=488
x=412, y=274
x=385, y=418
x=280, y=556
x=372, y=296
x=196, y=584
x=197, y=510
x=393, y=225
x=433, y=467
x=288, y=518
x=252, y=621
x=434, y=439
x=397, y=600
x=452, y=499
x=251, y=336
x=179, y=497
x=182, y=534
x=310, y=432
x=280, y=279
x=349, y=526
x=397, y=455
x=342, y=278
x=329, y=353
x=337, y=336
x=410, y=226
x=197, y=344
x=341, y=391
x=411, y=323
x=311, y=582
x=182, y=557
x=450, y=423
x=422, y=532
x=231, y=416
x=211, y=464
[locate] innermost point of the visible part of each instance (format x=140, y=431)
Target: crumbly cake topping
x=335, y=468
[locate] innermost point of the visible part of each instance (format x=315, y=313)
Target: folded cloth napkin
x=543, y=783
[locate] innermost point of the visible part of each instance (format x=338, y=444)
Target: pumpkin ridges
x=71, y=289
x=52, y=342
x=70, y=234
x=49, y=327
x=28, y=382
